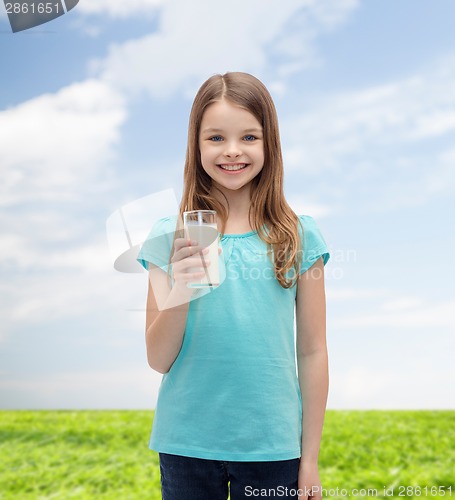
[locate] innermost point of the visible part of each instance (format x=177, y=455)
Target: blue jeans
x=188, y=478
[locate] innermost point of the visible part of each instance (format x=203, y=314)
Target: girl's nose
x=232, y=150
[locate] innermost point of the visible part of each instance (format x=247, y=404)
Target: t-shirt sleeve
x=314, y=245
x=157, y=247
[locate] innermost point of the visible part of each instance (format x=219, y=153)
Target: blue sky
x=93, y=114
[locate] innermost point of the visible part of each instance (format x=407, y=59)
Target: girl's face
x=231, y=137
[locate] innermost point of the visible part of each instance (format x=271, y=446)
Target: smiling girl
x=234, y=412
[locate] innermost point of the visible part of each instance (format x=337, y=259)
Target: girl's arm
x=312, y=363
x=164, y=328
x=167, y=308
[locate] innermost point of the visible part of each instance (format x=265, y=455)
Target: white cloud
x=365, y=387
x=57, y=287
x=346, y=135
x=316, y=210
x=182, y=53
x=349, y=293
x=119, y=8
x=434, y=123
x=404, y=314
x=427, y=177
x=54, y=149
x=55, y=143
x=391, y=300
x=402, y=303
x=391, y=113
x=130, y=387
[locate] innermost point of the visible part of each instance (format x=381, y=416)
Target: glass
x=201, y=226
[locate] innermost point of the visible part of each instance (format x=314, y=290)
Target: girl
x=233, y=413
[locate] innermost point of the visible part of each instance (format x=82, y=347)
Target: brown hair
x=268, y=204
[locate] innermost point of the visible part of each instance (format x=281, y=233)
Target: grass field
x=104, y=454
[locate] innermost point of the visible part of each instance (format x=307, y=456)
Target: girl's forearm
x=314, y=385
x=164, y=337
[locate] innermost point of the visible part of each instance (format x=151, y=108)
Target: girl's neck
x=239, y=203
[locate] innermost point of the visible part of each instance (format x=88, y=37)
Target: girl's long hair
x=268, y=204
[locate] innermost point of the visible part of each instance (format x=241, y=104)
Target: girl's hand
x=186, y=255
x=309, y=483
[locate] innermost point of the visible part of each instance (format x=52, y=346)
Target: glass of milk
x=201, y=226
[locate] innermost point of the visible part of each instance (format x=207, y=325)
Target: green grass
x=77, y=454
x=373, y=449
x=104, y=454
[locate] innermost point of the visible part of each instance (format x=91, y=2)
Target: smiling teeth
x=233, y=167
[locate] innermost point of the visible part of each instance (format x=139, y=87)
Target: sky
x=94, y=111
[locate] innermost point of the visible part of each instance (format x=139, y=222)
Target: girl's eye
x=249, y=138
x=216, y=138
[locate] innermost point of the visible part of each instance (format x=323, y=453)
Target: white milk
x=207, y=236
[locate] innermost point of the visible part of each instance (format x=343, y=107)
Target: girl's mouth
x=233, y=168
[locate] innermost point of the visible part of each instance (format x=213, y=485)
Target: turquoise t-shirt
x=232, y=393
